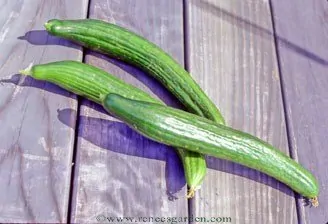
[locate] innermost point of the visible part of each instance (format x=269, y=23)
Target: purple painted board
x=35, y=146
x=119, y=173
x=302, y=41
x=231, y=54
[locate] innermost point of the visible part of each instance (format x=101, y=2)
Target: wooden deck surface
x=263, y=63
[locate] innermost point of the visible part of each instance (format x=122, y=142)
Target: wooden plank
x=302, y=43
x=35, y=146
x=118, y=172
x=232, y=55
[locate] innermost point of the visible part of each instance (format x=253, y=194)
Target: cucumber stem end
x=27, y=71
x=47, y=26
x=314, y=201
x=191, y=193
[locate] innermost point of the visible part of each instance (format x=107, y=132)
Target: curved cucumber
x=91, y=82
x=127, y=46
x=181, y=129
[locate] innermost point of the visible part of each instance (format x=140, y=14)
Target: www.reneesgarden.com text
x=172, y=220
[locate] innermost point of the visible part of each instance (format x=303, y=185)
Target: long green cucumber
x=127, y=46
x=91, y=82
x=182, y=129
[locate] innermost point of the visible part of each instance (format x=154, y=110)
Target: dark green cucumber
x=127, y=46
x=91, y=82
x=182, y=129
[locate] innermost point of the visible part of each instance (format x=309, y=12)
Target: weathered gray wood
x=35, y=147
x=302, y=42
x=118, y=172
x=232, y=56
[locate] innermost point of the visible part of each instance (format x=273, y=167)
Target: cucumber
x=129, y=47
x=91, y=82
x=182, y=129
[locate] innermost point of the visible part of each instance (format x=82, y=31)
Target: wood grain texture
x=231, y=53
x=302, y=40
x=118, y=172
x=35, y=146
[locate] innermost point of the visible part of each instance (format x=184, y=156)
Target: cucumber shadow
x=28, y=81
x=114, y=136
x=41, y=37
x=119, y=138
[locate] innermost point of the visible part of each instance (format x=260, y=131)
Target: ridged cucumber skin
x=182, y=129
x=86, y=80
x=92, y=83
x=127, y=46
